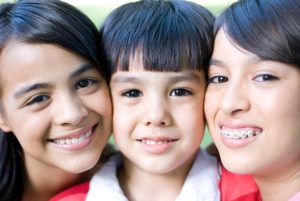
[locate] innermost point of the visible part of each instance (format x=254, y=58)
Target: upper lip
x=236, y=124
x=76, y=134
x=156, y=138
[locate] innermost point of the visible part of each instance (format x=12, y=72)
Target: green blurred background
x=97, y=10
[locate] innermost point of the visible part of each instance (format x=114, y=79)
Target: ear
x=4, y=127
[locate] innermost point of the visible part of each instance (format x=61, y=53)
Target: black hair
x=40, y=21
x=169, y=35
x=268, y=29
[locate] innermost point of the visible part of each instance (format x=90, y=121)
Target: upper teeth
x=75, y=139
x=240, y=133
x=153, y=142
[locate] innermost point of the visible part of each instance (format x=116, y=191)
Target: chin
x=80, y=166
x=237, y=166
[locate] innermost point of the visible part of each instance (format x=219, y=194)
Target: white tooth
x=86, y=135
x=81, y=139
x=239, y=133
x=244, y=134
x=74, y=140
x=160, y=142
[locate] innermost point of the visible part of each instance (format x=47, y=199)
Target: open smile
x=240, y=133
x=156, y=145
x=74, y=139
x=156, y=141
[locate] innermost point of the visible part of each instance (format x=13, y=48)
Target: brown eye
x=85, y=83
x=38, y=99
x=180, y=92
x=265, y=78
x=133, y=93
x=218, y=79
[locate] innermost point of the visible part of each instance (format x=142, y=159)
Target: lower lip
x=157, y=148
x=237, y=143
x=77, y=146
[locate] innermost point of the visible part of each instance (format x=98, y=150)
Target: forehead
x=22, y=63
x=18, y=56
x=147, y=77
x=226, y=51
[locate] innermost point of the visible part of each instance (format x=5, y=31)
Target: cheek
x=191, y=118
x=121, y=122
x=104, y=108
x=101, y=103
x=30, y=129
x=210, y=107
x=277, y=107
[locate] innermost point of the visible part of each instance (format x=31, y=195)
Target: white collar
x=201, y=183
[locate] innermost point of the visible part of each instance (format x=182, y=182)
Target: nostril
x=163, y=123
x=157, y=123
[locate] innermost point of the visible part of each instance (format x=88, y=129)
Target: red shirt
x=235, y=187
x=75, y=193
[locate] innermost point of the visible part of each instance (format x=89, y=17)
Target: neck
x=41, y=182
x=279, y=187
x=43, y=190
x=138, y=184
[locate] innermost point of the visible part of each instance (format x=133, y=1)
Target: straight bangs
x=269, y=30
x=170, y=37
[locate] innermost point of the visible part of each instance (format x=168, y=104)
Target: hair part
x=268, y=29
x=168, y=35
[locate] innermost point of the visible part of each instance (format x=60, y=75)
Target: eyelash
x=259, y=78
x=220, y=79
x=134, y=93
x=87, y=81
x=38, y=99
x=265, y=78
x=180, y=92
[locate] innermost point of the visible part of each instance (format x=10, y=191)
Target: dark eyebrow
x=182, y=77
x=215, y=62
x=124, y=79
x=253, y=59
x=189, y=76
x=83, y=68
x=29, y=88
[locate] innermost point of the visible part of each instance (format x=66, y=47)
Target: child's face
x=158, y=117
x=248, y=96
x=57, y=105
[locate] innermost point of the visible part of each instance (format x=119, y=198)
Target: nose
x=156, y=113
x=69, y=110
x=235, y=98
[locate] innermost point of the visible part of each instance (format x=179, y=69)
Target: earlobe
x=4, y=127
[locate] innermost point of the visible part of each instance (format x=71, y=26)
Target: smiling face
x=56, y=104
x=252, y=108
x=158, y=117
